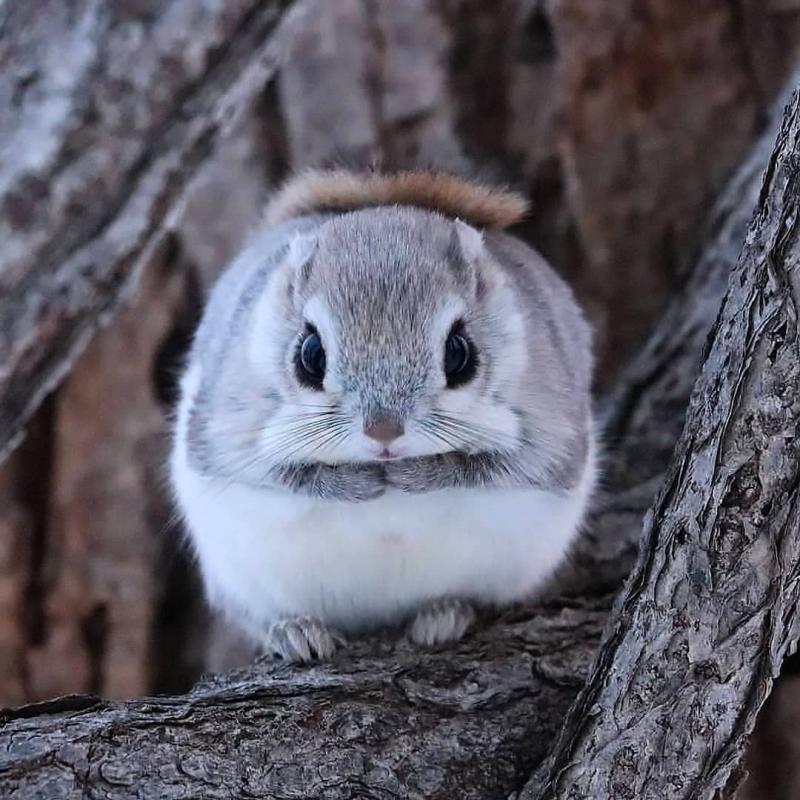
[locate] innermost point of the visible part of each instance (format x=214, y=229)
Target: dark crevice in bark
x=548, y=227
x=538, y=42
x=69, y=703
x=274, y=135
x=174, y=348
x=483, y=42
x=95, y=637
x=383, y=155
x=182, y=620
x=35, y=493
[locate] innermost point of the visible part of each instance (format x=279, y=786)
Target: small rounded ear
x=301, y=249
x=467, y=255
x=299, y=259
x=470, y=242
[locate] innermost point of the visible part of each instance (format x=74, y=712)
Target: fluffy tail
x=342, y=190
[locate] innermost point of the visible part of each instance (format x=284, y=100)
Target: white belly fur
x=265, y=554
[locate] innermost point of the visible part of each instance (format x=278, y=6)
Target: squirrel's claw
x=301, y=640
x=445, y=620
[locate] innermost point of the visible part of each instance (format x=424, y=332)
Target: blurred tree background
x=621, y=119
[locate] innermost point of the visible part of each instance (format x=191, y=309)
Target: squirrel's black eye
x=460, y=358
x=310, y=359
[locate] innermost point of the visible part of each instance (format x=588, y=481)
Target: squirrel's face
x=388, y=334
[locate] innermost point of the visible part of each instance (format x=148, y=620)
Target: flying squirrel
x=385, y=415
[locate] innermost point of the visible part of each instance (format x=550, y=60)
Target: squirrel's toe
x=445, y=620
x=301, y=640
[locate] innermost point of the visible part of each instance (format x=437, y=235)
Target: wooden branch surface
x=384, y=721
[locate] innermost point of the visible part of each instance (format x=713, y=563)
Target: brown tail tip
x=342, y=190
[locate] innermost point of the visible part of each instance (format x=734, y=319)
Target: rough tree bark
x=92, y=160
x=662, y=715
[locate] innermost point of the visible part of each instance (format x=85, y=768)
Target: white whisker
x=471, y=434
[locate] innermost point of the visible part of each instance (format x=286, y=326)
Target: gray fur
x=383, y=272
x=350, y=482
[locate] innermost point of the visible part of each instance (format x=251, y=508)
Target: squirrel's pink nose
x=384, y=429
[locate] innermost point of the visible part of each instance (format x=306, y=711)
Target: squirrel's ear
x=299, y=260
x=470, y=242
x=468, y=258
x=301, y=249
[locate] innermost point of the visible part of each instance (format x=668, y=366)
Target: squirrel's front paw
x=301, y=640
x=415, y=474
x=445, y=620
x=353, y=483
x=360, y=482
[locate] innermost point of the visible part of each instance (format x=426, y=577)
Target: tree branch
x=383, y=721
x=86, y=193
x=709, y=611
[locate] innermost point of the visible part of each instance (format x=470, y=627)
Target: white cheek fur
x=266, y=342
x=495, y=422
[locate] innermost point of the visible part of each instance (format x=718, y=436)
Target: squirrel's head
x=387, y=333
